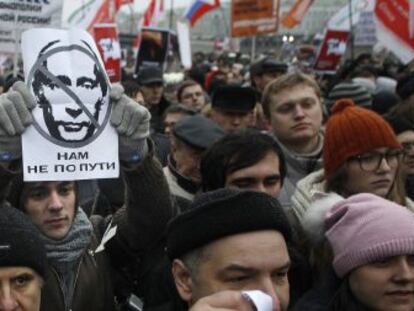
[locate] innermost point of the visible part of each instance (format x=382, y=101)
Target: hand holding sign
x=71, y=137
x=15, y=116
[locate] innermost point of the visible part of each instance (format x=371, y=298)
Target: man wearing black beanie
x=22, y=262
x=228, y=242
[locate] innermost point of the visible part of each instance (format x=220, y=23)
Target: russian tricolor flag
x=199, y=8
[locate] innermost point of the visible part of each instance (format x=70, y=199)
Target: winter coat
x=312, y=188
x=310, y=203
x=176, y=183
x=157, y=112
x=320, y=296
x=140, y=223
x=298, y=166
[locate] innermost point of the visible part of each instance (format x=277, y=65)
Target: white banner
x=184, y=44
x=85, y=14
x=71, y=137
x=341, y=20
x=16, y=16
x=365, y=32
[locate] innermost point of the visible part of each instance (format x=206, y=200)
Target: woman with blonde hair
x=361, y=153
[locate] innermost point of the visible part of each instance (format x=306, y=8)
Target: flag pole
x=351, y=30
x=223, y=15
x=171, y=14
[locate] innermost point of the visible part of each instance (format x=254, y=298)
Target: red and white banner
x=153, y=13
x=106, y=39
x=394, y=25
x=254, y=17
x=331, y=51
x=296, y=14
x=119, y=3
x=85, y=14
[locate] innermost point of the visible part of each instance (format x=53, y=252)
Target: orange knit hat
x=352, y=130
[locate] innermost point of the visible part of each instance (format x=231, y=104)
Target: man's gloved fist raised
x=132, y=122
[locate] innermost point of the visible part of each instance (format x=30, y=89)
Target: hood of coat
x=308, y=189
x=313, y=221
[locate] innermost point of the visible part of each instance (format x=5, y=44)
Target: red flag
x=153, y=13
x=105, y=14
x=296, y=14
x=393, y=27
x=119, y=3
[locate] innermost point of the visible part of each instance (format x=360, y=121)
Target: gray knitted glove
x=15, y=116
x=132, y=122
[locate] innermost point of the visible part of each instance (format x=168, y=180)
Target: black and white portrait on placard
x=71, y=132
x=78, y=116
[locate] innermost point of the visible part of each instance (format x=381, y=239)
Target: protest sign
x=393, y=26
x=254, y=17
x=341, y=20
x=85, y=14
x=153, y=48
x=184, y=43
x=106, y=38
x=296, y=14
x=71, y=137
x=331, y=51
x=21, y=15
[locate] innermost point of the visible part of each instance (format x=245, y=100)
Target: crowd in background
x=254, y=174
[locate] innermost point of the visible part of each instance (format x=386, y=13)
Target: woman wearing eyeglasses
x=361, y=154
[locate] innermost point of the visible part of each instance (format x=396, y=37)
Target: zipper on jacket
x=60, y=286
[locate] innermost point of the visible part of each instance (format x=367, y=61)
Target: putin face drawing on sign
x=70, y=97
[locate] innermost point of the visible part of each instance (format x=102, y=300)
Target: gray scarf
x=65, y=253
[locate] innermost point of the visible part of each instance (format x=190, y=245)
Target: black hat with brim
x=198, y=131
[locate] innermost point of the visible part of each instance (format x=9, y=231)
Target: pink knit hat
x=365, y=228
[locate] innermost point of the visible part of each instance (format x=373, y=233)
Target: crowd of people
x=244, y=176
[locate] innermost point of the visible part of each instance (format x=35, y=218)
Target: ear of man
x=183, y=280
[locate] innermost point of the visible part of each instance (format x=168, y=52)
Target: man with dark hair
x=82, y=253
x=69, y=121
x=248, y=160
x=191, y=94
x=228, y=242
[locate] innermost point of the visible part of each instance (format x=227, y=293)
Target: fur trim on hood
x=313, y=222
x=308, y=189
